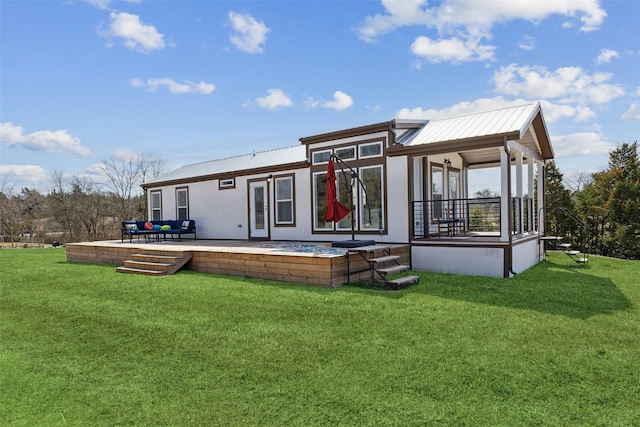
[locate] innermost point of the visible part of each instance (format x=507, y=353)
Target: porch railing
x=480, y=216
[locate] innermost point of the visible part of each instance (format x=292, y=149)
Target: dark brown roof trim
x=228, y=175
x=348, y=133
x=456, y=145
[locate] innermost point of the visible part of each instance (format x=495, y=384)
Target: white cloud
x=175, y=88
x=632, y=114
x=580, y=144
x=45, y=140
x=104, y=4
x=310, y=103
x=341, y=101
x=552, y=112
x=450, y=15
x=606, y=55
x=451, y=50
x=249, y=35
x=527, y=43
x=134, y=34
x=276, y=98
x=25, y=175
x=463, y=25
x=566, y=84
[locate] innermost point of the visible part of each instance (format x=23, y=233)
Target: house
x=412, y=188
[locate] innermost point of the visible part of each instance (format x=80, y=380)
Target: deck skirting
x=321, y=269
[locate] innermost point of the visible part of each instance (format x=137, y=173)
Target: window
x=347, y=153
x=224, y=184
x=371, y=200
x=182, y=203
x=156, y=205
x=320, y=157
x=320, y=201
x=437, y=191
x=284, y=200
x=344, y=185
x=370, y=150
x=454, y=181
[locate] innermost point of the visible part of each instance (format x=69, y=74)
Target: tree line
x=606, y=205
x=78, y=208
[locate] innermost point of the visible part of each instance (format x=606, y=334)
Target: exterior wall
x=525, y=255
x=480, y=261
x=397, y=200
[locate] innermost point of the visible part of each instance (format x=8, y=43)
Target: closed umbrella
x=335, y=210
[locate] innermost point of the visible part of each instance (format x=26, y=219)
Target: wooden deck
x=316, y=264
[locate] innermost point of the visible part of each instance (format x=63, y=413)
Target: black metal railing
x=478, y=216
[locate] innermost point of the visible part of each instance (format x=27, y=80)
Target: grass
x=82, y=345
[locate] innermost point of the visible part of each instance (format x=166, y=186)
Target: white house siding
x=525, y=255
x=459, y=260
x=397, y=192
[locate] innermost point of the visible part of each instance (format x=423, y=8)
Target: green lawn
x=83, y=345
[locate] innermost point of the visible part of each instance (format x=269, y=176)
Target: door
x=258, y=210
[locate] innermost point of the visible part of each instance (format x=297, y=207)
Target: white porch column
x=530, y=193
x=540, y=202
x=520, y=191
x=505, y=199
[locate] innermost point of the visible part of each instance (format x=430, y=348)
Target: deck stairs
x=383, y=264
x=565, y=225
x=155, y=262
x=557, y=243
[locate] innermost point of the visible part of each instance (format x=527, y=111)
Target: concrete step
x=393, y=269
x=551, y=238
x=572, y=252
x=582, y=260
x=565, y=245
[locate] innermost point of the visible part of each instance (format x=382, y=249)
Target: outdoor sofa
x=155, y=229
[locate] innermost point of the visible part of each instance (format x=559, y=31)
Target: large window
x=320, y=202
x=346, y=196
x=437, y=191
x=156, y=205
x=182, y=203
x=371, y=200
x=454, y=184
x=284, y=200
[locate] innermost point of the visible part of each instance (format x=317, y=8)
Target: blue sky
x=188, y=81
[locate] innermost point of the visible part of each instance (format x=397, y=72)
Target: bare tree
x=125, y=175
x=577, y=181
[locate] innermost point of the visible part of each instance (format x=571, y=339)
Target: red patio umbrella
x=335, y=210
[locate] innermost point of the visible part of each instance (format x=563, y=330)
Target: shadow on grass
x=549, y=287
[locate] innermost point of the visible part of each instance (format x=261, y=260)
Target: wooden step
x=392, y=270
x=382, y=259
x=144, y=265
x=138, y=271
x=155, y=258
x=404, y=280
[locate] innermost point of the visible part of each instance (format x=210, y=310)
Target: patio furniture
x=450, y=225
x=177, y=228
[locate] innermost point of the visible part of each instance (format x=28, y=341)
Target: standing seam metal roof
x=282, y=156
x=497, y=122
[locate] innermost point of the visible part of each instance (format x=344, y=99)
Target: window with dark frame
x=284, y=200
x=156, y=205
x=182, y=203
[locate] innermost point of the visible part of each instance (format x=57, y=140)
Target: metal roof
x=490, y=123
x=247, y=162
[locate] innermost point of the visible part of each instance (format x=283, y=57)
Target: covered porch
x=452, y=230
